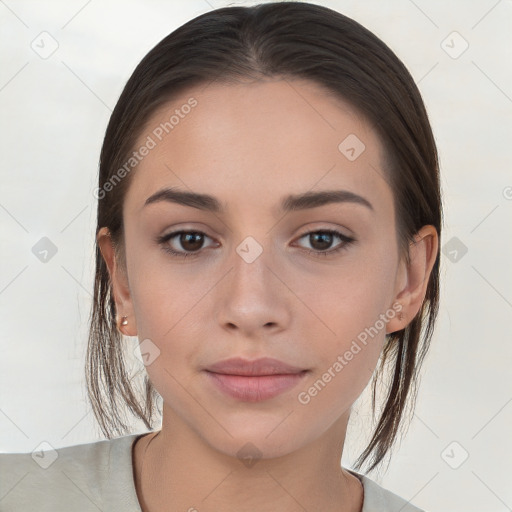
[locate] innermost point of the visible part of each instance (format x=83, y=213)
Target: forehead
x=258, y=141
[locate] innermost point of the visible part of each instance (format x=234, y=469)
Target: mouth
x=257, y=368
x=254, y=381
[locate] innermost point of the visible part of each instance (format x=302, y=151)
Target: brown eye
x=191, y=241
x=182, y=243
x=321, y=241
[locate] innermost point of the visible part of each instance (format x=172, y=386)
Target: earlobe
x=414, y=277
x=399, y=320
x=125, y=318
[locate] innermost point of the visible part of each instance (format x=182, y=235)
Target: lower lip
x=255, y=388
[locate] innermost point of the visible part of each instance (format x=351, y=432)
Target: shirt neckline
x=133, y=488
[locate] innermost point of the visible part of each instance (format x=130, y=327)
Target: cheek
x=332, y=391
x=345, y=301
x=164, y=294
x=167, y=303
x=352, y=309
x=347, y=353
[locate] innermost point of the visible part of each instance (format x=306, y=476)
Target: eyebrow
x=289, y=203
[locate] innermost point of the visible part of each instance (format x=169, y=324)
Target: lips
x=258, y=367
x=254, y=381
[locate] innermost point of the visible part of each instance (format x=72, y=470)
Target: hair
x=292, y=40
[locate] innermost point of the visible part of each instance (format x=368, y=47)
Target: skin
x=250, y=144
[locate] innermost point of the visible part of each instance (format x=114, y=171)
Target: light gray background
x=54, y=113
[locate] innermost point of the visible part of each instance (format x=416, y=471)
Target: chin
x=251, y=440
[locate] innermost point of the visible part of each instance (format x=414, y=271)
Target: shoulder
x=84, y=477
x=378, y=499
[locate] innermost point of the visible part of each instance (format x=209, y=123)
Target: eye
x=322, y=240
x=190, y=241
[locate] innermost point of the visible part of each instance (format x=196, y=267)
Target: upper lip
x=262, y=366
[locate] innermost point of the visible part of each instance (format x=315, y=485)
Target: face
x=312, y=283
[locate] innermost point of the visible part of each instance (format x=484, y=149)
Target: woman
x=269, y=217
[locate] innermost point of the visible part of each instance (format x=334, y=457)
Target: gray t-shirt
x=98, y=476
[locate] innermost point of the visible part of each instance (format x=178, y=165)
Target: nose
x=253, y=299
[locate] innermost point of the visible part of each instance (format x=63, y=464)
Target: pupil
x=186, y=239
x=326, y=237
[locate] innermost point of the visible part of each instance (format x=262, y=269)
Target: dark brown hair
x=287, y=40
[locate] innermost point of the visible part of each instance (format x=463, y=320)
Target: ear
x=119, y=283
x=412, y=279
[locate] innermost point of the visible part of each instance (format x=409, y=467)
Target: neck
x=175, y=470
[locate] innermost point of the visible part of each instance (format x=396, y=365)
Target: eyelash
x=162, y=240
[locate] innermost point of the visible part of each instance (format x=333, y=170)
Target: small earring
x=124, y=320
x=400, y=316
